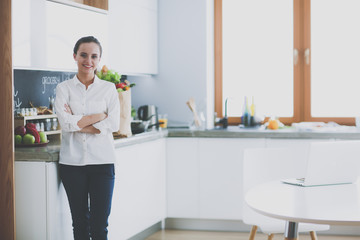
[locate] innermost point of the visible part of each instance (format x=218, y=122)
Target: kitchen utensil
x=191, y=104
x=149, y=113
x=139, y=126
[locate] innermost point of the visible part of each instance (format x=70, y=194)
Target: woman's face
x=87, y=57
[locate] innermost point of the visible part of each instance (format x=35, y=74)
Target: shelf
x=53, y=132
x=43, y=116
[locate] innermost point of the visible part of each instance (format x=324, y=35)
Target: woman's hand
x=91, y=119
x=90, y=129
x=67, y=109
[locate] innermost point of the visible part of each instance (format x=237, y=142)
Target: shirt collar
x=77, y=81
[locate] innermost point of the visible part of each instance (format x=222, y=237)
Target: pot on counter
x=139, y=126
x=149, y=113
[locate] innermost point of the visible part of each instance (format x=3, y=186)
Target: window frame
x=302, y=71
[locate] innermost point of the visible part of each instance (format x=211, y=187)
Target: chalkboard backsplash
x=36, y=86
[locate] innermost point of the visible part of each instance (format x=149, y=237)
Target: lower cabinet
x=30, y=200
x=42, y=209
x=204, y=177
x=139, y=200
x=139, y=193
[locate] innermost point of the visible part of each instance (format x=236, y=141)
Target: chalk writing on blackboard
x=36, y=86
x=17, y=102
x=49, y=81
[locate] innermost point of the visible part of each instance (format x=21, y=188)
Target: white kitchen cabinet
x=30, y=200
x=42, y=210
x=45, y=32
x=28, y=33
x=65, y=25
x=182, y=178
x=133, y=36
x=293, y=143
x=220, y=176
x=139, y=192
x=204, y=177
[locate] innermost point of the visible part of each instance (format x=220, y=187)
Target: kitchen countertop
x=343, y=132
x=50, y=153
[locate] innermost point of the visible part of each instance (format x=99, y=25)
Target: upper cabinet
x=133, y=36
x=45, y=32
x=66, y=24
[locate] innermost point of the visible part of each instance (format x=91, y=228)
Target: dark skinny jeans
x=89, y=190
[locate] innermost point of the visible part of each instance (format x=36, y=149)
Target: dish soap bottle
x=252, y=113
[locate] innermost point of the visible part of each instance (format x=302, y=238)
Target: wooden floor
x=205, y=235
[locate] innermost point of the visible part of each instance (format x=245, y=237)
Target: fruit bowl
x=32, y=145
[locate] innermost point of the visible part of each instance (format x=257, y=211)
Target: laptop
x=328, y=163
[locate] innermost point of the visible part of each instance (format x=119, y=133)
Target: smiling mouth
x=87, y=66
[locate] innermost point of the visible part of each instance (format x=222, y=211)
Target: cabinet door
x=30, y=200
x=182, y=178
x=45, y=32
x=220, y=191
x=64, y=26
x=139, y=193
x=28, y=28
x=133, y=36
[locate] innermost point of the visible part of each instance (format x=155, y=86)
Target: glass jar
x=48, y=124
x=37, y=124
x=54, y=124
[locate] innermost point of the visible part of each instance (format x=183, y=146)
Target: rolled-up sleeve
x=112, y=122
x=68, y=122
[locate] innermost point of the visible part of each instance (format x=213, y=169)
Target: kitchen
x=189, y=42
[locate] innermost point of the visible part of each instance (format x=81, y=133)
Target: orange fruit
x=273, y=124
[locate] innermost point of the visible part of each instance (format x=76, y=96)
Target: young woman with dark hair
x=88, y=111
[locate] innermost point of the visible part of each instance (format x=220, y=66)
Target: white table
x=333, y=204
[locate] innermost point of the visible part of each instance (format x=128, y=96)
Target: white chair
x=267, y=164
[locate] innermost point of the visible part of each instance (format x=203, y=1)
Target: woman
x=88, y=112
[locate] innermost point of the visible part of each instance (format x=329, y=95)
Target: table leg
x=291, y=231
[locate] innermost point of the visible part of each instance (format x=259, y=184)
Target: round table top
x=331, y=204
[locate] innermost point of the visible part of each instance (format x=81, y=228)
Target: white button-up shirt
x=83, y=148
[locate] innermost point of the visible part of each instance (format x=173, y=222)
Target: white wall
x=185, y=60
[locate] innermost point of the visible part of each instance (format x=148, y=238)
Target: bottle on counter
x=252, y=113
x=51, y=103
x=245, y=116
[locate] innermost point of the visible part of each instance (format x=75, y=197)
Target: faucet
x=224, y=121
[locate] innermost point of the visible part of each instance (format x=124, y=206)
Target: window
x=294, y=69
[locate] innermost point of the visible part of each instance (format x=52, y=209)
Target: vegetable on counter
x=114, y=77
